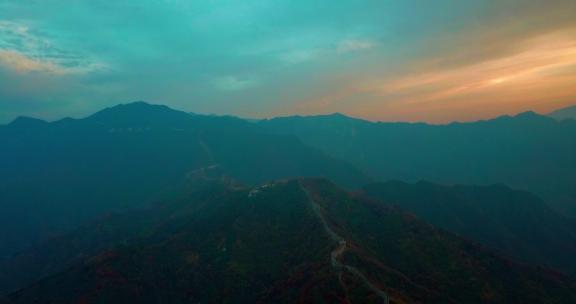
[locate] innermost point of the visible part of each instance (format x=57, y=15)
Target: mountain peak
x=25, y=121
x=138, y=113
x=338, y=114
x=531, y=116
x=133, y=106
x=564, y=113
x=527, y=114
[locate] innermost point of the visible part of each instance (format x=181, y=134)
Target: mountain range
x=529, y=151
x=58, y=175
x=515, y=223
x=143, y=203
x=564, y=113
x=303, y=240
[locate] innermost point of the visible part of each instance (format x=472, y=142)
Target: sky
x=390, y=60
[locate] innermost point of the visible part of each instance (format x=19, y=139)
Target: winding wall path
x=340, y=250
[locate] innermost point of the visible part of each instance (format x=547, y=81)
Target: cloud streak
x=25, y=50
x=473, y=75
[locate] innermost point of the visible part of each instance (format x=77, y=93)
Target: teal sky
x=413, y=60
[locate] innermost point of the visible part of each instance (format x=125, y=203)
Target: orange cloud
x=23, y=64
x=539, y=75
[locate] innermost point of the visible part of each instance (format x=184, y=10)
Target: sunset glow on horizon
x=388, y=61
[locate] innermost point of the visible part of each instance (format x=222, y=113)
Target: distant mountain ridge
x=24, y=121
x=516, y=223
x=528, y=151
x=139, y=114
x=564, y=113
x=72, y=170
x=143, y=203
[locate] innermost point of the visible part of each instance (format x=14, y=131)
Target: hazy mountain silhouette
x=527, y=151
x=24, y=122
x=188, y=224
x=57, y=175
x=564, y=113
x=301, y=240
x=516, y=223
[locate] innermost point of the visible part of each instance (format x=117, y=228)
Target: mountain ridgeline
x=58, y=175
x=516, y=223
x=140, y=203
x=564, y=113
x=528, y=151
x=305, y=241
